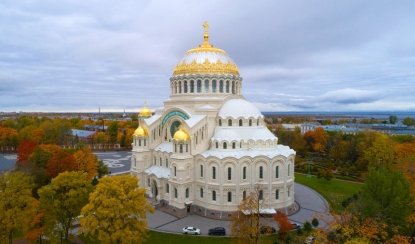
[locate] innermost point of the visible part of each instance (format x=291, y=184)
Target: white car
x=191, y=230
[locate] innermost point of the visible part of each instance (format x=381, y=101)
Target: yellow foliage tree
x=16, y=204
x=62, y=201
x=116, y=212
x=86, y=161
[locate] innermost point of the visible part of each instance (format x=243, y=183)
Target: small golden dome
x=181, y=135
x=206, y=59
x=145, y=112
x=140, y=132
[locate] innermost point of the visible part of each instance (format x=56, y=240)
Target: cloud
x=293, y=55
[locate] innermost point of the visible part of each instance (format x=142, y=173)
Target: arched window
x=240, y=122
x=220, y=122
x=277, y=194
x=250, y=122
x=225, y=146
x=289, y=169
x=257, y=122
x=229, y=196
x=181, y=148
x=261, y=172
x=214, y=172
x=199, y=86
x=206, y=86
x=213, y=195
x=201, y=170
x=233, y=87
x=155, y=161
x=227, y=86
x=201, y=192
x=175, y=170
x=175, y=147
x=233, y=145
x=167, y=163
x=185, y=86
x=243, y=195
x=167, y=188
x=180, y=87
x=277, y=169
x=261, y=195
x=217, y=144
x=192, y=86
x=229, y=122
x=187, y=192
x=139, y=142
x=229, y=173
x=161, y=162
x=244, y=173
x=221, y=86
x=214, y=86
x=288, y=192
x=175, y=192
x=187, y=147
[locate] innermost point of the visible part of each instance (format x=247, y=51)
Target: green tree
x=408, y=121
x=393, y=119
x=116, y=211
x=62, y=201
x=113, y=131
x=17, y=206
x=386, y=196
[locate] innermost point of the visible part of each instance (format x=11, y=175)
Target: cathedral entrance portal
x=154, y=190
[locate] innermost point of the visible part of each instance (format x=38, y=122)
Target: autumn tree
x=113, y=131
x=60, y=162
x=316, y=139
x=8, y=136
x=381, y=153
x=24, y=150
x=16, y=204
x=245, y=222
x=62, y=201
x=284, y=225
x=116, y=211
x=408, y=121
x=86, y=161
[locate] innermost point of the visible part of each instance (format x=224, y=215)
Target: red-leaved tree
x=24, y=150
x=283, y=223
x=60, y=161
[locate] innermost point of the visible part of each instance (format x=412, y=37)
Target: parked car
x=191, y=230
x=217, y=231
x=309, y=240
x=265, y=229
x=295, y=226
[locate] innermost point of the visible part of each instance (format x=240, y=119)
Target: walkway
x=312, y=205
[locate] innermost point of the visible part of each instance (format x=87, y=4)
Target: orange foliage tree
x=316, y=139
x=8, y=136
x=24, y=150
x=86, y=161
x=283, y=223
x=60, y=162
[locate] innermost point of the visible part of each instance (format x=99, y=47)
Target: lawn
x=334, y=190
x=167, y=238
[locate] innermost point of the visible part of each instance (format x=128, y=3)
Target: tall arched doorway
x=154, y=189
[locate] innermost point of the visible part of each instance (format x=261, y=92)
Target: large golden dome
x=206, y=59
x=140, y=132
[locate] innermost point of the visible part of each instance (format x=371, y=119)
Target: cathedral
x=208, y=147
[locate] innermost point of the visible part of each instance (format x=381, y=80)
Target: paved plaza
x=311, y=203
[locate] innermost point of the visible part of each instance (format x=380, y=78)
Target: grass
x=334, y=191
x=167, y=238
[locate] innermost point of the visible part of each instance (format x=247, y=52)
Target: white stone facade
x=228, y=153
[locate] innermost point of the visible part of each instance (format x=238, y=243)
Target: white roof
x=239, y=153
x=212, y=57
x=236, y=108
x=152, y=119
x=164, y=147
x=192, y=121
x=159, y=172
x=262, y=211
x=243, y=133
x=206, y=106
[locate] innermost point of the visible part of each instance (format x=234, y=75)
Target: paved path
x=311, y=204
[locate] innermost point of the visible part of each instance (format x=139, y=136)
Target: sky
x=301, y=55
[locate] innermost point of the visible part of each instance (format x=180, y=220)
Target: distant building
x=83, y=135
